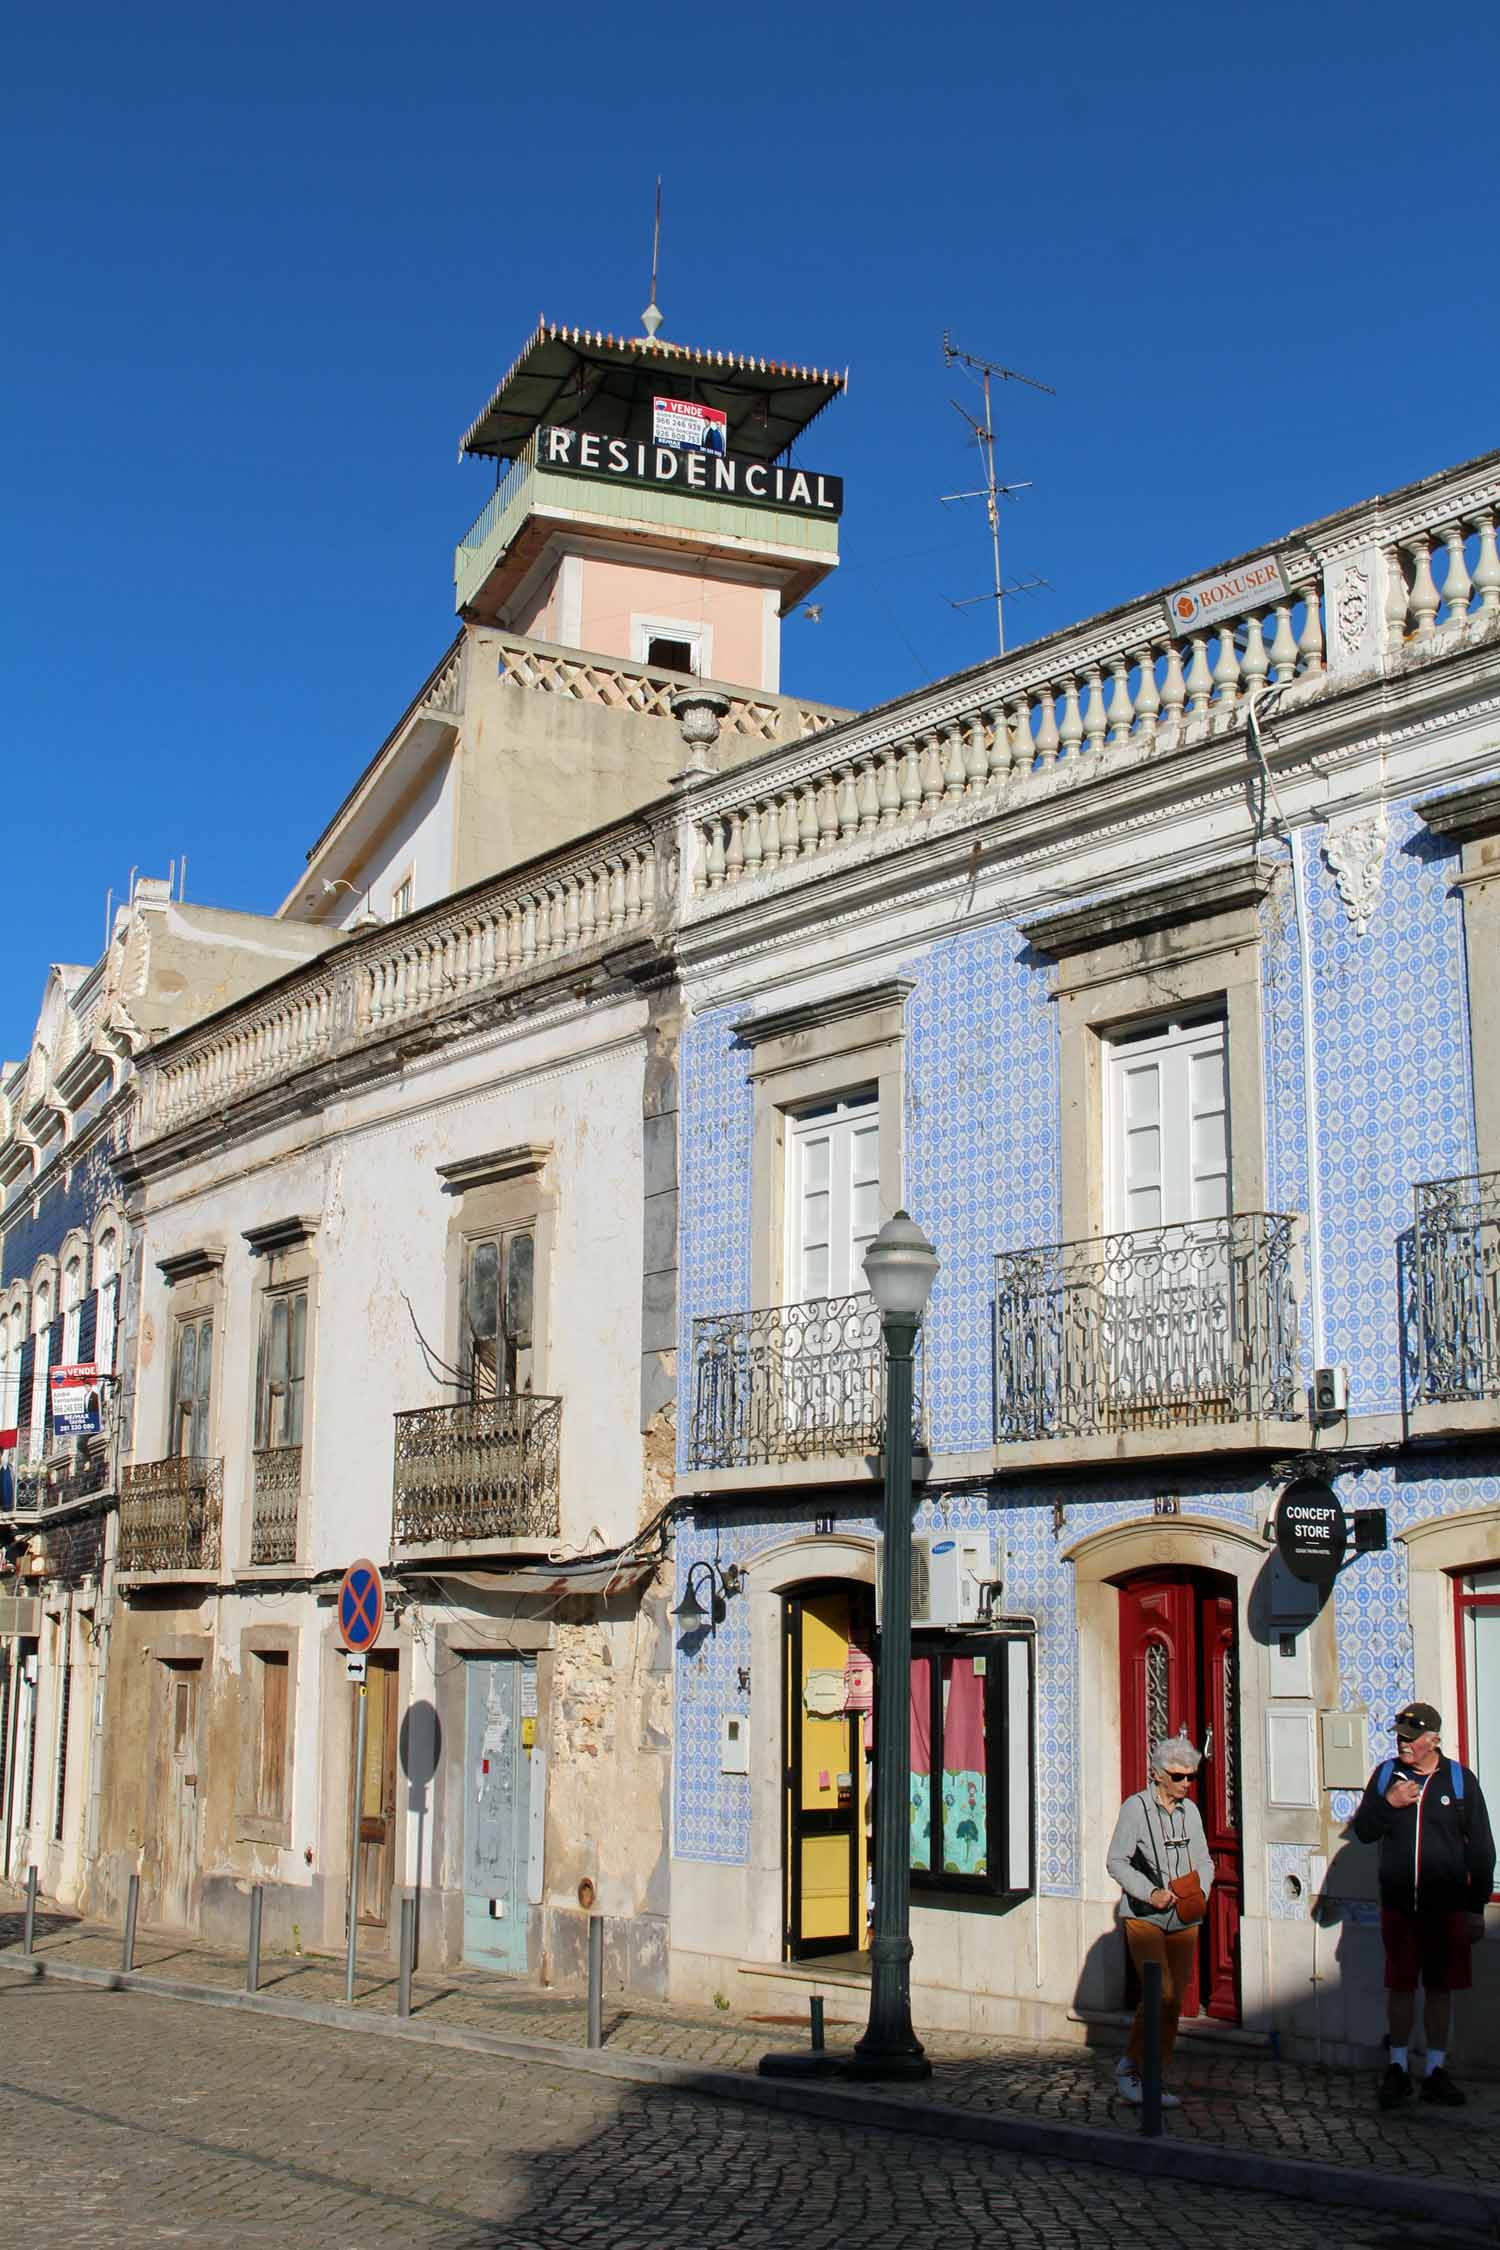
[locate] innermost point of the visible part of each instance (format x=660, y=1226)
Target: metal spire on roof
x=651, y=317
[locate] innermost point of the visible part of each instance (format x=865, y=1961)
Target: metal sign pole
x=354, y=1826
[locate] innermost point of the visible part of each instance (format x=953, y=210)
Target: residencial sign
x=75, y=1399
x=1312, y=1530
x=1228, y=593
x=724, y=476
x=693, y=428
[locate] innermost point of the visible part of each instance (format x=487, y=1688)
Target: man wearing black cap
x=1437, y=1869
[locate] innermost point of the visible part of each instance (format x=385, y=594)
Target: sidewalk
x=1242, y=2114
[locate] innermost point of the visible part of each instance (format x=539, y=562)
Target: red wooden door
x=1178, y=1675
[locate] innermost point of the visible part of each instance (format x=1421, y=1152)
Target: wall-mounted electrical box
x=734, y=1744
x=1291, y=1776
x=1346, y=1749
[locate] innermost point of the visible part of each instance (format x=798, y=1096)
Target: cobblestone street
x=129, y=2120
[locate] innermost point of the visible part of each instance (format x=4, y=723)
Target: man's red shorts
x=1429, y=1948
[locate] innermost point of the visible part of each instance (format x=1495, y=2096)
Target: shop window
x=971, y=1783
x=1477, y=1603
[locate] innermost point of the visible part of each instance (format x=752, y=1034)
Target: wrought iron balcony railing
x=171, y=1514
x=790, y=1383
x=482, y=1471
x=1458, y=1289
x=1173, y=1327
x=274, y=1504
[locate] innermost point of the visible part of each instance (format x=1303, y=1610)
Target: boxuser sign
x=723, y=476
x=1228, y=593
x=1312, y=1530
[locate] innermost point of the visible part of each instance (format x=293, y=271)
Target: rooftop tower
x=647, y=504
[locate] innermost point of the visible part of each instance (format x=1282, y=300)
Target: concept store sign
x=724, y=476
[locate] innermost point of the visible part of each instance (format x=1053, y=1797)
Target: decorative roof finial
x=651, y=317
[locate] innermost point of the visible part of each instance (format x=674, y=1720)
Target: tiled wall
x=29, y=1236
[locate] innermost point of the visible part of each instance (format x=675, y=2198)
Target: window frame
x=503, y=1235
x=846, y=1114
x=1180, y=1037
x=934, y=1884
x=200, y=1317
x=266, y=1390
x=1464, y=1604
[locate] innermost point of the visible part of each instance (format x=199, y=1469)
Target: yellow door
x=826, y=1852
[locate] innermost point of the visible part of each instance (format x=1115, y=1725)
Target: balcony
x=1455, y=1300
x=275, y=1500
x=478, y=1474
x=791, y=1385
x=171, y=1518
x=1172, y=1340
x=66, y=1478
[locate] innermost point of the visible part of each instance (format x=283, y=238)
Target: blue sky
x=266, y=265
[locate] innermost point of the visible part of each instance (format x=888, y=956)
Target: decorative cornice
x=1161, y=906
x=1464, y=813
x=190, y=1265
x=280, y=1234
x=815, y=1015
x=519, y=1163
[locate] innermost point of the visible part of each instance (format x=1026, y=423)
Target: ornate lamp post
x=901, y=1266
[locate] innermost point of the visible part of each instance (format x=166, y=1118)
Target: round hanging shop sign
x=1312, y=1530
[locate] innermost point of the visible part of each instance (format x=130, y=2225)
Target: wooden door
x=377, y=1814
x=1179, y=1675
x=177, y=1884
x=825, y=1847
x=499, y=1749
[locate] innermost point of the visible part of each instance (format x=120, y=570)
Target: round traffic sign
x=1312, y=1530
x=361, y=1606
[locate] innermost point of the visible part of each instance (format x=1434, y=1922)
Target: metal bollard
x=132, y=1902
x=1151, y=2053
x=596, y=1980
x=408, y=1947
x=28, y=1939
x=252, y=1961
x=815, y=2011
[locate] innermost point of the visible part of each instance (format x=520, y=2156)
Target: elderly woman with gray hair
x=1160, y=1858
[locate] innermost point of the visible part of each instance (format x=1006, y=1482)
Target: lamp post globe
x=901, y=1266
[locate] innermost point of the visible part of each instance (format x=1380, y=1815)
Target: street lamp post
x=901, y=1266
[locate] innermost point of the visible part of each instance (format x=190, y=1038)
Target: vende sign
x=1227, y=594
x=723, y=476
x=1312, y=1530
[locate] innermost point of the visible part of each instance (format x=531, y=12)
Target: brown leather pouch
x=1191, y=1903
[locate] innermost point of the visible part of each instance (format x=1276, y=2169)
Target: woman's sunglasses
x=1170, y=1776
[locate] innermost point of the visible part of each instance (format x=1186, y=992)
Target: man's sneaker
x=1170, y=2101
x=1395, y=2087
x=1437, y=2086
x=1128, y=2087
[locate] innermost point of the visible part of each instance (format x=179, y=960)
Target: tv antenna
x=984, y=372
x=651, y=317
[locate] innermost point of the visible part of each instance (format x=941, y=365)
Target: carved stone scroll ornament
x=1353, y=608
x=1354, y=848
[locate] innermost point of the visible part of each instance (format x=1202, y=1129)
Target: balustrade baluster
x=1424, y=594
x=809, y=836
x=1487, y=567
x=789, y=825
x=977, y=743
x=1174, y=689
x=828, y=811
x=953, y=765
x=1310, y=641
x=1070, y=733
x=1048, y=739
x=1200, y=683
x=1457, y=584
x=1147, y=693
x=1256, y=663
x=889, y=790
x=754, y=851
x=711, y=857
x=1094, y=716
x=869, y=798
x=1226, y=677
x=770, y=836
x=848, y=805
x=911, y=781
x=1284, y=645
x=929, y=765
x=1121, y=710
x=648, y=883
x=528, y=932
x=734, y=852
x=616, y=895
x=1022, y=740
x=633, y=889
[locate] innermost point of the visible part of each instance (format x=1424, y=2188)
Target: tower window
x=670, y=656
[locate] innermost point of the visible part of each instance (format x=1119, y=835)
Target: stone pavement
x=128, y=2121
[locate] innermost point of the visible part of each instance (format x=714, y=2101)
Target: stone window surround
x=510, y=1187
x=285, y=1261
x=1150, y=953
x=1437, y=1552
x=252, y=1824
x=810, y=1053
x=195, y=1288
x=108, y=1215
x=1471, y=818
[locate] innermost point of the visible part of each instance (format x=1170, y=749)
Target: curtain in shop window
x=965, y=1816
x=921, y=1763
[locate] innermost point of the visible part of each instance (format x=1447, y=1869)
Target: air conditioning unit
x=1330, y=1393
x=20, y=1616
x=956, y=1577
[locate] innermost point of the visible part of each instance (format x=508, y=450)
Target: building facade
x=1180, y=1042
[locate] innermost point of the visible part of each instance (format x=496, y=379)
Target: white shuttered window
x=833, y=1196
x=1167, y=1126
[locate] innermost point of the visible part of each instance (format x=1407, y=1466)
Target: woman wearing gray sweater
x=1158, y=1838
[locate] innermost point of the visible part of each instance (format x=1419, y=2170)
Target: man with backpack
x=1437, y=1869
